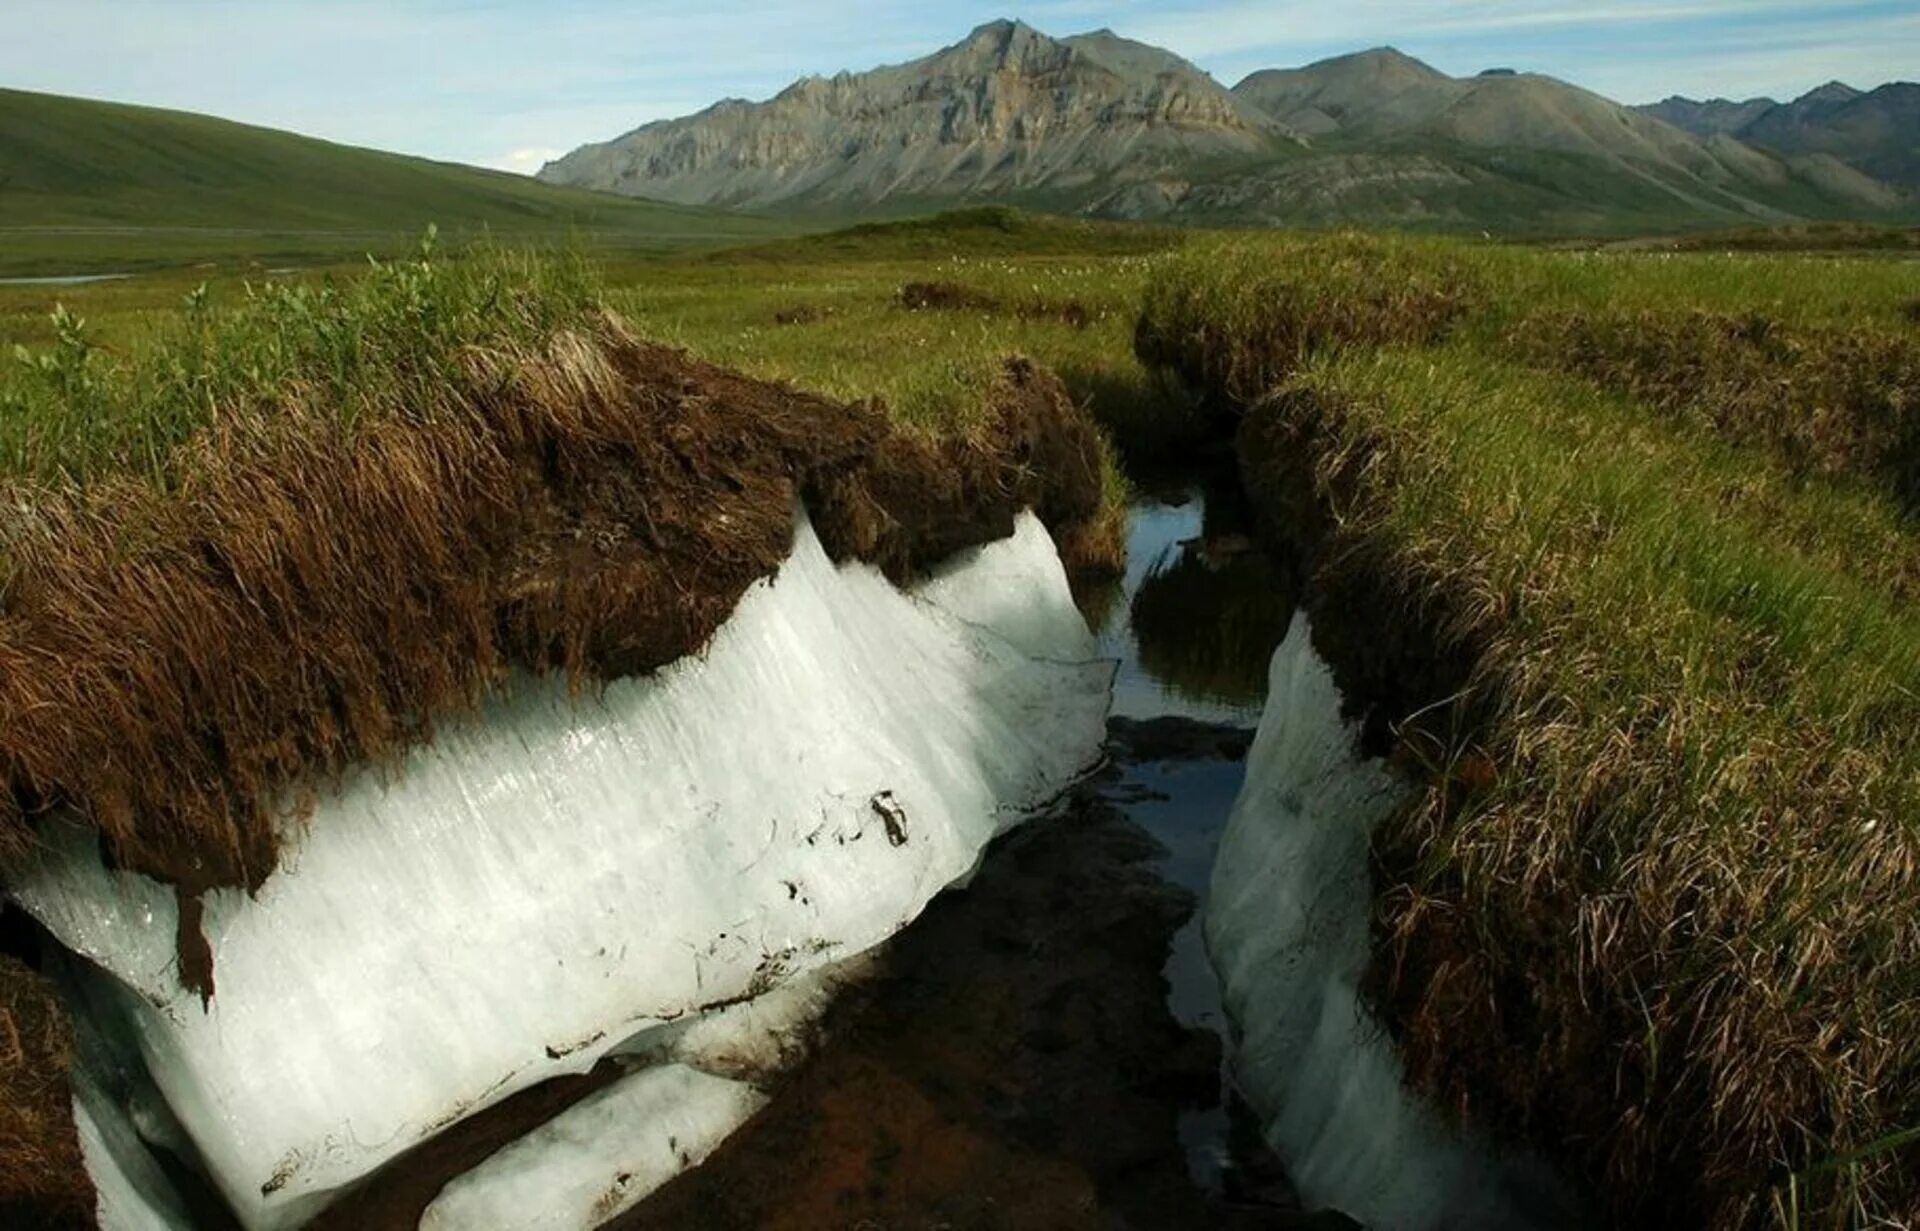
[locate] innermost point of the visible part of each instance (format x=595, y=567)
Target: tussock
x=1833, y=400
x=1651, y=910
x=309, y=595
x=1233, y=320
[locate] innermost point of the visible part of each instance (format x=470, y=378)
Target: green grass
x=852, y=338
x=88, y=186
x=390, y=340
x=1679, y=884
x=1654, y=903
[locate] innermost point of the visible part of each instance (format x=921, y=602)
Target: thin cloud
x=527, y=161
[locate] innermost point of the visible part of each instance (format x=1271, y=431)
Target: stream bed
x=1045, y=1047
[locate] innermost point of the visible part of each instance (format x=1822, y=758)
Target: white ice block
x=554, y=877
x=1014, y=588
x=755, y=1040
x=1287, y=927
x=130, y=1193
x=598, y=1158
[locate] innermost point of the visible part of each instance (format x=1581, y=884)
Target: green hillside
x=90, y=185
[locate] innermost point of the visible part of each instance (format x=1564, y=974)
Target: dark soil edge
x=173, y=664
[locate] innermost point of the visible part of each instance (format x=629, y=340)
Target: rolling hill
x=1102, y=125
x=106, y=183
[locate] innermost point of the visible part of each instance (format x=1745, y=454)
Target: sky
x=511, y=83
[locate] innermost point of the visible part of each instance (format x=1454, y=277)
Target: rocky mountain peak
x=1103, y=123
x=1831, y=92
x=1007, y=43
x=1006, y=110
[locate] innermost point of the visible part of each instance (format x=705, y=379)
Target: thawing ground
x=1043, y=1048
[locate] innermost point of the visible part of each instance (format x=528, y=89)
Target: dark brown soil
x=801, y=314
x=1014, y=1066
x=954, y=297
x=309, y=599
x=943, y=297
x=43, y=1182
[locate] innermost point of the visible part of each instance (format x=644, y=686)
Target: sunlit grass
x=1673, y=819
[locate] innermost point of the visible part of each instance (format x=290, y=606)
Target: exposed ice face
x=132, y=1194
x=599, y=1157
x=1287, y=927
x=554, y=877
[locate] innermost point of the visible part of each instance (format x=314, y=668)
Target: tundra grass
x=1705, y=736
x=1654, y=906
x=840, y=325
x=95, y=186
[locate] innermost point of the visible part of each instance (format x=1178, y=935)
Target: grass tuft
x=1234, y=319
x=1629, y=593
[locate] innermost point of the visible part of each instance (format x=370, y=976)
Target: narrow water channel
x=1193, y=626
x=1047, y=1047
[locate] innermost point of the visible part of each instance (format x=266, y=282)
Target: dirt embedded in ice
x=1044, y=1048
x=1014, y=1063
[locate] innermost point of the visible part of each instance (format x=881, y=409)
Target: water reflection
x=1192, y=625
x=63, y=279
x=1197, y=615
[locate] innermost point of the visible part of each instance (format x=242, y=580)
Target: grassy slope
x=143, y=186
x=1661, y=877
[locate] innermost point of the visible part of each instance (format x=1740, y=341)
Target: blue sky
x=509, y=82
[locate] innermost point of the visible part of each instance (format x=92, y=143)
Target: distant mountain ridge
x=1875, y=132
x=1005, y=112
x=1103, y=125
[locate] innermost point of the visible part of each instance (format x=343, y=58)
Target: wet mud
x=1016, y=1062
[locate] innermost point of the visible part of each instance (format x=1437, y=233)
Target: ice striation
x=560, y=875
x=600, y=1157
x=1287, y=928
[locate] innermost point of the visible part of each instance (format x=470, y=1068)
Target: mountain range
x=1876, y=132
x=1103, y=125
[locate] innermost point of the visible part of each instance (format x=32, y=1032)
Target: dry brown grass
x=179, y=664
x=43, y=1183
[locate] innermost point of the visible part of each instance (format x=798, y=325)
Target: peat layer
x=181, y=666
x=1635, y=926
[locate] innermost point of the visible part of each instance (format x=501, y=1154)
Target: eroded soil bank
x=180, y=665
